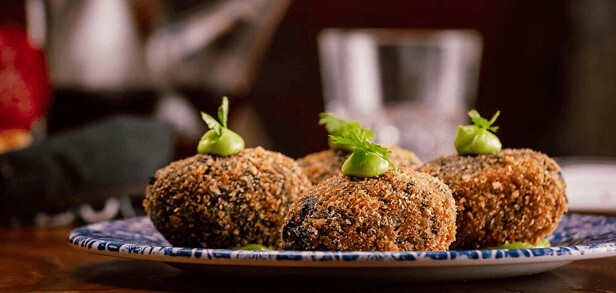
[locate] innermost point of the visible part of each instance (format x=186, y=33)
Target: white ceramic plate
x=578, y=237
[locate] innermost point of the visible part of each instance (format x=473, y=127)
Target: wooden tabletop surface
x=42, y=260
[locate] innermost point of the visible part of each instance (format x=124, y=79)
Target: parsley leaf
x=223, y=112
x=338, y=126
x=482, y=122
x=212, y=124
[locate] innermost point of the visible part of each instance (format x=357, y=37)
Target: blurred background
x=548, y=66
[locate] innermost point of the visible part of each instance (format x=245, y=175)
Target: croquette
x=399, y=211
x=513, y=195
x=223, y=202
x=322, y=165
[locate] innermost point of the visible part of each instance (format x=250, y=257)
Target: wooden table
x=42, y=260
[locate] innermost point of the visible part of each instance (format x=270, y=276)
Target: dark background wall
x=522, y=72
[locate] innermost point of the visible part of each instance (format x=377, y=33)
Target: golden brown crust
x=393, y=212
x=222, y=202
x=514, y=195
x=322, y=165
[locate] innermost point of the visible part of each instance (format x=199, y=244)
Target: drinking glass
x=411, y=87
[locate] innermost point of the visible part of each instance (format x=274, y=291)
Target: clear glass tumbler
x=411, y=87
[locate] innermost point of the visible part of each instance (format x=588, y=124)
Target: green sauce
x=479, y=138
x=522, y=245
x=474, y=140
x=365, y=164
x=254, y=246
x=229, y=143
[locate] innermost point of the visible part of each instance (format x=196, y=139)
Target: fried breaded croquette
x=324, y=164
x=223, y=202
x=515, y=195
x=407, y=210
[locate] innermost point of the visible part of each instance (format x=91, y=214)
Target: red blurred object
x=24, y=84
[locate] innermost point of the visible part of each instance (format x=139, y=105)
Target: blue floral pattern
x=577, y=237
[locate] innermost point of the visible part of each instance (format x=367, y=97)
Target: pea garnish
x=219, y=140
x=368, y=159
x=478, y=138
x=339, y=127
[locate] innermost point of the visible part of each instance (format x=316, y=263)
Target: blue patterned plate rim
x=577, y=237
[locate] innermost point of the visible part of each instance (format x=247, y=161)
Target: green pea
x=522, y=245
x=364, y=164
x=474, y=140
x=229, y=143
x=254, y=246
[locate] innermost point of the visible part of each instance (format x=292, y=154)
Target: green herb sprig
x=340, y=127
x=212, y=124
x=482, y=122
x=337, y=126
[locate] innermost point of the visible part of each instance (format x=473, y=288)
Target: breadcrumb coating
x=322, y=165
x=222, y=202
x=393, y=212
x=514, y=195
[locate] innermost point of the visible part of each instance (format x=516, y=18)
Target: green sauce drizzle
x=219, y=140
x=254, y=246
x=368, y=159
x=479, y=138
x=522, y=245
